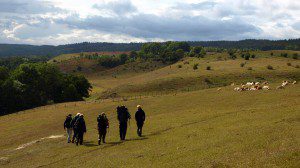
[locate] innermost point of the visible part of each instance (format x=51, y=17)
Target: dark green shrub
x=270, y=67
x=295, y=56
x=249, y=68
x=247, y=56
x=242, y=64
x=284, y=55
x=179, y=66
x=195, y=66
x=208, y=68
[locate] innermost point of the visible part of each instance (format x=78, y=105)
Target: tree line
x=8, y=50
x=168, y=52
x=36, y=84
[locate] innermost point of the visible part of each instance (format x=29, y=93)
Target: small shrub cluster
x=288, y=64
x=208, y=68
x=242, y=64
x=250, y=68
x=179, y=66
x=195, y=66
x=270, y=67
x=284, y=55
x=295, y=56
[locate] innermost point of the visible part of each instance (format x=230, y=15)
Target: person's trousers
x=69, y=134
x=123, y=130
x=139, y=128
x=79, y=138
x=74, y=135
x=102, y=134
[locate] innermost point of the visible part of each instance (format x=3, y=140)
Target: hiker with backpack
x=68, y=127
x=140, y=119
x=73, y=126
x=103, y=124
x=123, y=117
x=80, y=127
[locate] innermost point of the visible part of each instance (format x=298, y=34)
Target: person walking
x=103, y=124
x=123, y=117
x=68, y=127
x=140, y=119
x=80, y=128
x=73, y=126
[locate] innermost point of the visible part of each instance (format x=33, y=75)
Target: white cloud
x=69, y=21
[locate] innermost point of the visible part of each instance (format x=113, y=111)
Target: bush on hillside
x=270, y=67
x=195, y=66
x=295, y=56
x=247, y=56
x=249, y=68
x=179, y=66
x=208, y=68
x=242, y=64
x=288, y=64
x=284, y=55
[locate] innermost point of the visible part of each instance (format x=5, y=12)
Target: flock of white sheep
x=251, y=86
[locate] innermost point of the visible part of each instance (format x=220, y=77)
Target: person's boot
x=99, y=141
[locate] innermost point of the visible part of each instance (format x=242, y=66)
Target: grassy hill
x=189, y=122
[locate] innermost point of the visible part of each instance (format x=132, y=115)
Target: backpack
x=77, y=123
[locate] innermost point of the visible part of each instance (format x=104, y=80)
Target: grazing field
x=206, y=128
x=189, y=122
x=155, y=78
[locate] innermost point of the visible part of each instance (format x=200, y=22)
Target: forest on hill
x=8, y=50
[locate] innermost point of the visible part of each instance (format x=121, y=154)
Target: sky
x=55, y=22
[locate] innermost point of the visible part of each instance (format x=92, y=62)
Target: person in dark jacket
x=73, y=126
x=123, y=117
x=103, y=124
x=80, y=128
x=68, y=127
x=140, y=119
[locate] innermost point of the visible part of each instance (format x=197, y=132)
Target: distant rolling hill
x=8, y=50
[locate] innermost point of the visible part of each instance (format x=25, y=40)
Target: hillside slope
x=206, y=128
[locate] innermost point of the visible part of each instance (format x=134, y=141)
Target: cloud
x=117, y=7
x=195, y=6
x=296, y=26
x=27, y=7
x=151, y=26
x=67, y=21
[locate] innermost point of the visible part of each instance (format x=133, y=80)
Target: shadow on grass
x=90, y=143
x=137, y=139
x=109, y=144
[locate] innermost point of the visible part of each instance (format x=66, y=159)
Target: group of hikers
x=77, y=125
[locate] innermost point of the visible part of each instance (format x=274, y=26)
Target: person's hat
x=139, y=106
x=102, y=113
x=70, y=115
x=78, y=114
x=81, y=115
